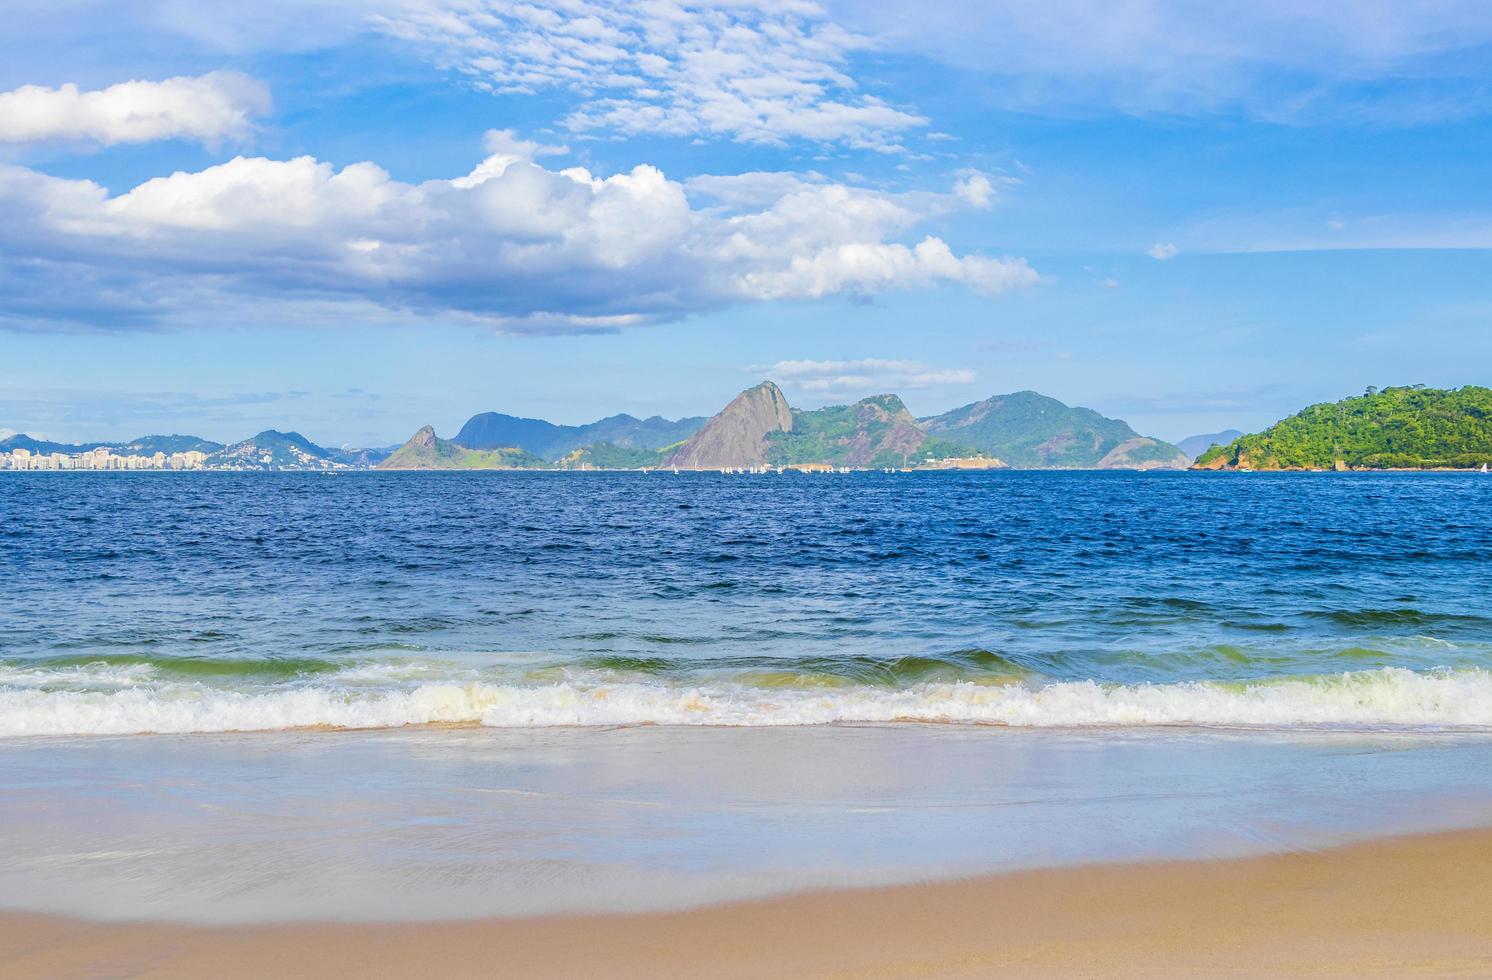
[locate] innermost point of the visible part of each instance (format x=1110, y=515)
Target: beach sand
x=1408, y=906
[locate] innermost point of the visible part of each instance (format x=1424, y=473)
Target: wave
x=1383, y=698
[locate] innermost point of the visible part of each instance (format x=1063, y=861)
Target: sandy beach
x=1407, y=906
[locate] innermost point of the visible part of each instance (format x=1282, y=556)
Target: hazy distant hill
x=424, y=451
x=363, y=457
x=1195, y=446
x=147, y=445
x=493, y=430
x=143, y=446
x=1396, y=428
x=274, y=450
x=1031, y=431
x=22, y=441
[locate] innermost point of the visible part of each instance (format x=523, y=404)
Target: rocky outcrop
x=883, y=426
x=738, y=435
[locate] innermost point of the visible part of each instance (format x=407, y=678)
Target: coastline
x=1395, y=906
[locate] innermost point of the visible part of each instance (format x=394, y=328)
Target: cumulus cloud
x=208, y=108
x=1162, y=251
x=755, y=71
x=511, y=243
x=975, y=189
x=863, y=375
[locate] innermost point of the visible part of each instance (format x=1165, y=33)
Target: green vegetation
x=426, y=452
x=875, y=432
x=1411, y=427
x=1031, y=431
x=606, y=456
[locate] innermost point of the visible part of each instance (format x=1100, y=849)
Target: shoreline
x=1416, y=905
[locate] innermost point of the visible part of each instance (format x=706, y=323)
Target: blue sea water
x=593, y=692
x=142, y=602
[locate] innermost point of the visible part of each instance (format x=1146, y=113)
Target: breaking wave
x=1382, y=698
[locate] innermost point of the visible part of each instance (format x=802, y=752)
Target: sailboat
x=1484, y=469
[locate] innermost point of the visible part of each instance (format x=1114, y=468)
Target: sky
x=353, y=218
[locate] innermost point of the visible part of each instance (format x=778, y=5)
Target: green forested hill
x=424, y=451
x=1031, y=431
x=606, y=456
x=1396, y=428
x=876, y=431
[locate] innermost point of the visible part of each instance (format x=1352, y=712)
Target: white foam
x=1389, y=697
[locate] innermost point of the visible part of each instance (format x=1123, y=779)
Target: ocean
x=238, y=698
x=214, y=602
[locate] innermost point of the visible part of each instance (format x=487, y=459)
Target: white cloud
x=511, y=243
x=863, y=375
x=209, y=108
x=1162, y=251
x=756, y=71
x=976, y=189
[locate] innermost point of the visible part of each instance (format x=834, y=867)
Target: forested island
x=1407, y=427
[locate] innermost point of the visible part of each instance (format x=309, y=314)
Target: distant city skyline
x=354, y=218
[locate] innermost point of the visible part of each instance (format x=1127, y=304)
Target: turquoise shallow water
x=437, y=824
x=212, y=602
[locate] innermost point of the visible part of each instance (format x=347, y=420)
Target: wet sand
x=1408, y=906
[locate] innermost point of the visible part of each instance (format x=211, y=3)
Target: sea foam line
x=1388, y=697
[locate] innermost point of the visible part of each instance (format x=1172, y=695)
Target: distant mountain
x=424, y=451
x=738, y=435
x=493, y=430
x=148, y=445
x=1031, y=431
x=143, y=446
x=1195, y=446
x=22, y=441
x=274, y=450
x=363, y=458
x=760, y=428
x=876, y=431
x=1397, y=428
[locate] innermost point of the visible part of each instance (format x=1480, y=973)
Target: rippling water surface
x=213, y=602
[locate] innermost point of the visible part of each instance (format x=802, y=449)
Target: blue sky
x=355, y=217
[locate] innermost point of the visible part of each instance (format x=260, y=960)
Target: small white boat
x=1484, y=469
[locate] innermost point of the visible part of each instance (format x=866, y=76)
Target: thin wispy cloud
x=1344, y=60
x=863, y=375
x=754, y=71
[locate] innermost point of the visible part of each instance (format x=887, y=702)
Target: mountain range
x=493, y=430
x=760, y=428
x=1410, y=427
x=143, y=446
x=268, y=450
